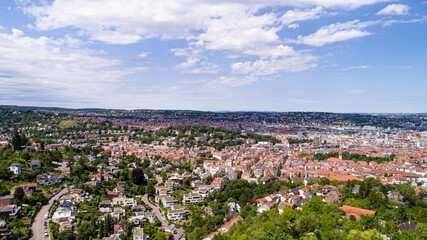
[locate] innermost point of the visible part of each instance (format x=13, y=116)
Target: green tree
x=151, y=191
x=85, y=231
x=19, y=193
x=422, y=229
x=404, y=235
x=422, y=216
x=315, y=205
x=18, y=141
x=307, y=223
x=376, y=199
x=138, y=176
x=66, y=235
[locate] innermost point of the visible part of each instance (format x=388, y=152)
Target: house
x=105, y=206
x=64, y=211
x=171, y=185
x=111, y=194
x=96, y=177
x=333, y=196
x=177, y=213
x=197, y=183
x=233, y=207
x=138, y=234
x=218, y=183
x=163, y=190
x=285, y=204
x=7, y=200
x=119, y=189
x=192, y=198
x=80, y=195
x=48, y=179
x=112, y=237
x=124, y=201
x=120, y=228
x=224, y=228
x=28, y=188
x=408, y=226
x=16, y=168
x=63, y=226
x=356, y=212
x=118, y=213
x=4, y=229
x=264, y=208
x=35, y=164
x=66, y=171
x=295, y=199
x=10, y=211
x=166, y=200
x=204, y=192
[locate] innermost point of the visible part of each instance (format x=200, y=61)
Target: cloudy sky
x=263, y=55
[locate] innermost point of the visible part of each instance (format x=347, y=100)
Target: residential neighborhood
x=197, y=182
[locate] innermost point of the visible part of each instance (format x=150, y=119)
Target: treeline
x=12, y=119
x=318, y=220
x=296, y=141
x=354, y=157
x=238, y=191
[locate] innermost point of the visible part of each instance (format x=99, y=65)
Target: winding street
x=160, y=215
x=37, y=227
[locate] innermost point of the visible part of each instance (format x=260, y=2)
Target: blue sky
x=270, y=55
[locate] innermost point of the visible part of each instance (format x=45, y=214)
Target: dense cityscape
x=149, y=174
x=213, y=120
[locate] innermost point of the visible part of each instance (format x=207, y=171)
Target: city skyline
x=310, y=55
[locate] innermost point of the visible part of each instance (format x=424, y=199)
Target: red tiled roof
x=355, y=210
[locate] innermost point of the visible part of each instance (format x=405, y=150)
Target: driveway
x=160, y=215
x=159, y=179
x=37, y=228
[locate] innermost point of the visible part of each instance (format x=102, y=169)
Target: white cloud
x=196, y=66
x=225, y=82
x=395, y=9
x=275, y=65
x=239, y=30
x=354, y=67
x=118, y=22
x=335, y=33
x=293, y=26
x=235, y=26
x=393, y=21
x=143, y=54
x=46, y=68
x=232, y=56
x=297, y=15
x=275, y=51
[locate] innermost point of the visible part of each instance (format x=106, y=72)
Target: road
x=37, y=228
x=159, y=214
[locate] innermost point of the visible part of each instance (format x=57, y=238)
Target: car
x=46, y=235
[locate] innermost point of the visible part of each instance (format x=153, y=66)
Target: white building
x=16, y=168
x=192, y=198
x=138, y=234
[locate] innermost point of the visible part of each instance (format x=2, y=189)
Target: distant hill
x=55, y=109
